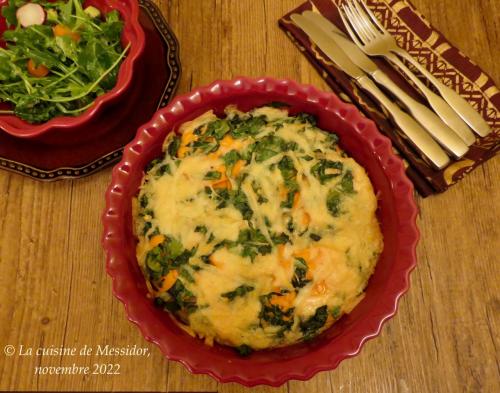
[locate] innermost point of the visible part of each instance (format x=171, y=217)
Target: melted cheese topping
x=256, y=230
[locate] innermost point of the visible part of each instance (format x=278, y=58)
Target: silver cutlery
x=375, y=40
x=427, y=118
x=415, y=133
x=445, y=112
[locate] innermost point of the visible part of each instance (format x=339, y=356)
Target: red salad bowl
x=396, y=211
x=71, y=130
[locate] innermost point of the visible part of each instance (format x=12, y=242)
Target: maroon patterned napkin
x=446, y=62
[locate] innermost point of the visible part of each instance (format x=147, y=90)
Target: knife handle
x=443, y=134
x=415, y=133
x=459, y=104
x=440, y=106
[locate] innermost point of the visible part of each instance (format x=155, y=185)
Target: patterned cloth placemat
x=431, y=49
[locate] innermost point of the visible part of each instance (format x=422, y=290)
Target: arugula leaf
x=9, y=13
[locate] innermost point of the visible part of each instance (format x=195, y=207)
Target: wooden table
x=54, y=290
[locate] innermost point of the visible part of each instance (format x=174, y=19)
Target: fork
x=371, y=36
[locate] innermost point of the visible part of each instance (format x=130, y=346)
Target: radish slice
x=30, y=14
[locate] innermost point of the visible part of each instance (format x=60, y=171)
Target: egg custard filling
x=256, y=230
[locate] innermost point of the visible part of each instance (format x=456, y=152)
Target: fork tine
x=359, y=23
x=372, y=16
x=345, y=20
x=371, y=29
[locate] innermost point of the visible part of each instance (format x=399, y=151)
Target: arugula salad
x=58, y=58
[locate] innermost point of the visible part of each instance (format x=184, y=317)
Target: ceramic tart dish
x=396, y=214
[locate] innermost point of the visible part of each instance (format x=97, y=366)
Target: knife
x=440, y=106
x=443, y=134
x=415, y=133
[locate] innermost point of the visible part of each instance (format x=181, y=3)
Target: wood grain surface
x=54, y=291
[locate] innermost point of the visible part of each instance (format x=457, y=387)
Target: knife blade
x=414, y=132
x=426, y=117
x=328, y=46
x=355, y=54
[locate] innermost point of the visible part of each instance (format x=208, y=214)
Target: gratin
x=256, y=230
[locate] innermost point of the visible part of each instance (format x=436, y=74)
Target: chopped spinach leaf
x=143, y=201
x=289, y=174
x=240, y=202
x=230, y=158
x=248, y=127
x=272, y=314
x=166, y=256
x=288, y=202
x=244, y=350
x=253, y=243
x=241, y=291
x=268, y=147
x=218, y=128
x=306, y=118
x=281, y=238
x=257, y=189
x=347, y=182
x=336, y=311
x=213, y=175
x=152, y=164
x=186, y=274
x=201, y=229
x=183, y=297
x=315, y=237
x=311, y=326
x=325, y=170
x=163, y=169
x=333, y=201
x=147, y=226
x=173, y=146
x=278, y=104
x=299, y=279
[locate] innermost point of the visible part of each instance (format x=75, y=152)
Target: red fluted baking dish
x=397, y=214
x=70, y=130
